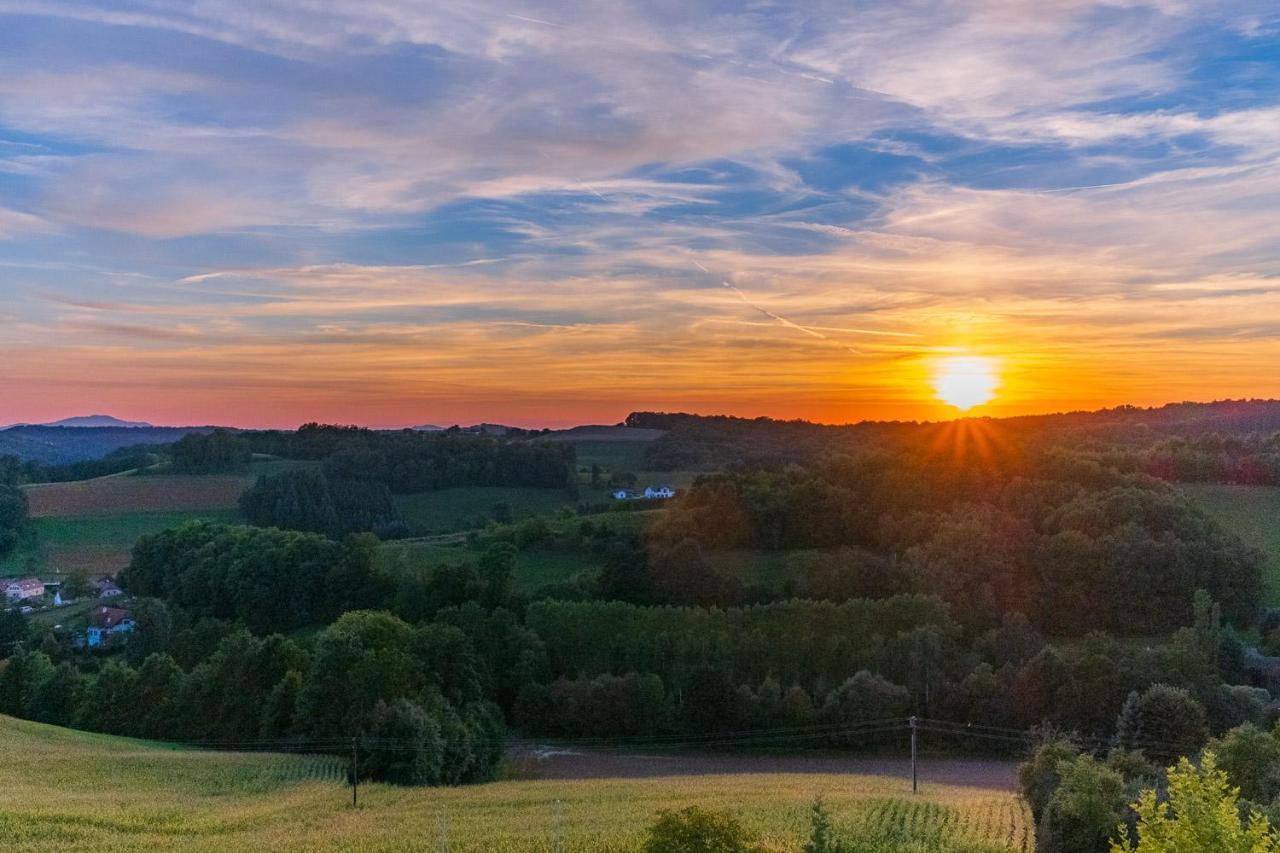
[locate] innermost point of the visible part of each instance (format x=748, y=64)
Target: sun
x=965, y=381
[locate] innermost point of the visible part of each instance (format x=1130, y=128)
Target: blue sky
x=557, y=212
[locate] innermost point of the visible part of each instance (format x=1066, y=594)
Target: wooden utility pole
x=914, y=786
x=355, y=775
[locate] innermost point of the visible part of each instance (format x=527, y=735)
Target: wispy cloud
x=778, y=208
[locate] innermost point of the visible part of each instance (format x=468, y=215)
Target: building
x=106, y=623
x=106, y=588
x=650, y=493
x=23, y=589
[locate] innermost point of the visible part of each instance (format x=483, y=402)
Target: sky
x=548, y=213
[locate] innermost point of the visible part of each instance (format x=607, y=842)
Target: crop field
x=93, y=543
x=137, y=494
x=450, y=510
x=1253, y=514
x=81, y=791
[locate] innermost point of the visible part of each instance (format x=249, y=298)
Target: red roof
x=108, y=617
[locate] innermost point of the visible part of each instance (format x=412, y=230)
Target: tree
x=56, y=698
x=402, y=745
x=1084, y=809
x=1038, y=777
x=1201, y=815
x=282, y=704
x=13, y=517
x=153, y=630
x=697, y=830
x=13, y=631
x=1251, y=760
x=76, y=585
x=1163, y=721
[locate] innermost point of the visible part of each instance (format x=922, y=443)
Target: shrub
x=1201, y=816
x=697, y=830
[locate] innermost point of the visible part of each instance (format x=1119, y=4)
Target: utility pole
x=355, y=775
x=559, y=847
x=912, y=723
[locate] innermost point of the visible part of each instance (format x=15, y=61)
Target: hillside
x=60, y=445
x=1253, y=514
x=82, y=791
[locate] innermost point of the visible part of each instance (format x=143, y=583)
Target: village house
x=106, y=588
x=24, y=589
x=106, y=623
x=650, y=493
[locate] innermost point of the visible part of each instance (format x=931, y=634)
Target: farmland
x=136, y=494
x=451, y=510
x=83, y=791
x=1253, y=514
x=93, y=543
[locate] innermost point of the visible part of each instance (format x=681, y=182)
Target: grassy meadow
x=1253, y=514
x=82, y=791
x=470, y=507
x=93, y=543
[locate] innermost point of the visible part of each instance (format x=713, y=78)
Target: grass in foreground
x=77, y=791
x=1253, y=514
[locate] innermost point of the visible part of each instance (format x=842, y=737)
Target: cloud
x=424, y=201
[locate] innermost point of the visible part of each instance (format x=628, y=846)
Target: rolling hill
x=83, y=791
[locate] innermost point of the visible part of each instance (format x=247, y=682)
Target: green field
x=611, y=455
x=94, y=543
x=534, y=568
x=1253, y=514
x=450, y=510
x=80, y=791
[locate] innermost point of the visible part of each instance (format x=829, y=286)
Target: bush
x=1201, y=816
x=696, y=830
x=1084, y=810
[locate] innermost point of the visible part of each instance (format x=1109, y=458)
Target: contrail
x=536, y=21
x=791, y=324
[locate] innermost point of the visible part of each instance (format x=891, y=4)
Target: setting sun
x=965, y=381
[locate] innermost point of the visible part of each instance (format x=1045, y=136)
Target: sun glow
x=965, y=381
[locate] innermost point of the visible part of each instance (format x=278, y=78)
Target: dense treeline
x=213, y=453
x=13, y=517
x=1250, y=460
x=1072, y=544
x=404, y=461
x=311, y=501
x=1153, y=435
x=410, y=462
x=14, y=470
x=269, y=579
x=413, y=696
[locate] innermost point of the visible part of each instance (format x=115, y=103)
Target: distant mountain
x=98, y=421
x=427, y=428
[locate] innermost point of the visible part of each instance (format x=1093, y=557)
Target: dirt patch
x=550, y=761
x=158, y=493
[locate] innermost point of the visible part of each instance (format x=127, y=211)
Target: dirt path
x=550, y=761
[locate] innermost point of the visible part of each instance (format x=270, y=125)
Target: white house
x=624, y=495
x=106, y=588
x=658, y=492
x=22, y=589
